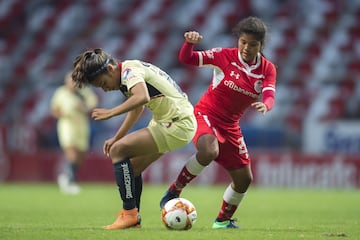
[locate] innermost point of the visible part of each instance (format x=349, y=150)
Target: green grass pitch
x=40, y=211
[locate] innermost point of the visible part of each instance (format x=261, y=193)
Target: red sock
x=182, y=180
x=226, y=212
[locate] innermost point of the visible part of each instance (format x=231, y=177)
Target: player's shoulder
x=130, y=67
x=60, y=90
x=267, y=63
x=221, y=53
x=136, y=64
x=86, y=90
x=222, y=50
x=131, y=63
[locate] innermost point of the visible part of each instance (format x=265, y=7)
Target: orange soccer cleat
x=126, y=219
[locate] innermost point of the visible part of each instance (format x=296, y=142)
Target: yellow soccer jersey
x=73, y=123
x=167, y=101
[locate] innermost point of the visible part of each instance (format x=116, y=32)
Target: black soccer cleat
x=168, y=195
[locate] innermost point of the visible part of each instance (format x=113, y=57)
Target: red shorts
x=233, y=153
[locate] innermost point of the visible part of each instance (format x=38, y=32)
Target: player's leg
x=74, y=157
x=208, y=150
x=233, y=195
x=74, y=141
x=139, y=164
x=138, y=143
x=74, y=168
x=68, y=177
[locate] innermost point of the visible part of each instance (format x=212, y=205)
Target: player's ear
x=110, y=68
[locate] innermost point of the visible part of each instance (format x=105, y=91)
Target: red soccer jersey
x=235, y=84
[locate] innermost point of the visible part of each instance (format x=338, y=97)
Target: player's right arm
x=193, y=37
x=187, y=54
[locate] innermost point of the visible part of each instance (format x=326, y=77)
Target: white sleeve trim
x=201, y=62
x=268, y=88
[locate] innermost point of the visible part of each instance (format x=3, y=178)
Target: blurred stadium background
x=310, y=139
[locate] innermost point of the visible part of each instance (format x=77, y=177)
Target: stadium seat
x=49, y=51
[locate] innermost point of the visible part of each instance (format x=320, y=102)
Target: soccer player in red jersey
x=241, y=77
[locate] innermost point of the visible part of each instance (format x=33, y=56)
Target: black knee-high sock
x=70, y=170
x=138, y=190
x=125, y=181
x=74, y=168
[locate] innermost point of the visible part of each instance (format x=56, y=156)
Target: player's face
x=109, y=80
x=248, y=47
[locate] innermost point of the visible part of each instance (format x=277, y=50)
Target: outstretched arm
x=187, y=55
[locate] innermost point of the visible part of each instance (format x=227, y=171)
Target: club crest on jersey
x=258, y=86
x=126, y=73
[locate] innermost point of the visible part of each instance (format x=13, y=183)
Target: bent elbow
x=145, y=100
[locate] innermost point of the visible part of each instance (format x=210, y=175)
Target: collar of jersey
x=252, y=67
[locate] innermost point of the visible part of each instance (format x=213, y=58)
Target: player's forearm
x=130, y=104
x=268, y=99
x=131, y=118
x=187, y=55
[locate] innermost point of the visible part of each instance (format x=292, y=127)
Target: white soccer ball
x=178, y=214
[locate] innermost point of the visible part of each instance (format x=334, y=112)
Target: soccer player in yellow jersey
x=172, y=126
x=71, y=107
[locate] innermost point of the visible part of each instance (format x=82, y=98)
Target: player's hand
x=101, y=114
x=261, y=107
x=193, y=37
x=107, y=145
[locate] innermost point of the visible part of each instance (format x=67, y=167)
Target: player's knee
x=208, y=148
x=205, y=156
x=242, y=184
x=212, y=153
x=116, y=153
x=248, y=179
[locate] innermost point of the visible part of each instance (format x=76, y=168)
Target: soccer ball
x=178, y=214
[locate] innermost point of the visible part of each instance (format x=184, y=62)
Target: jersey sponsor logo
x=230, y=84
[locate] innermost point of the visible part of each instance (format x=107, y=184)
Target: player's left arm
x=268, y=92
x=131, y=118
